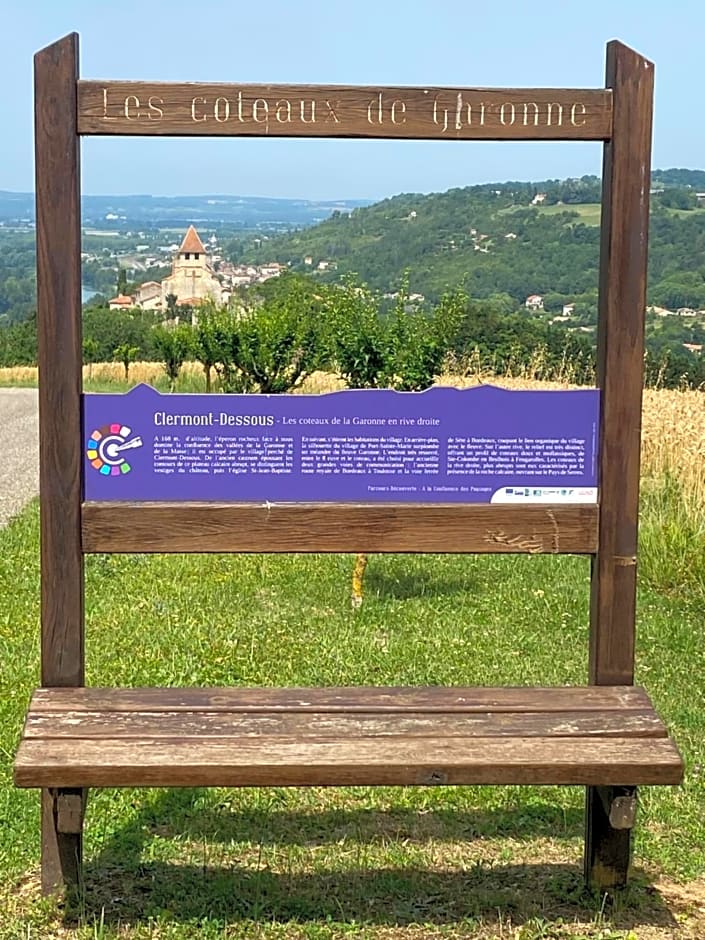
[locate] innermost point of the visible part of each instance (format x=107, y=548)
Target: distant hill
x=513, y=238
x=691, y=179
x=123, y=213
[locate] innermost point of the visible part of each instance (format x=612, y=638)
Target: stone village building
x=192, y=280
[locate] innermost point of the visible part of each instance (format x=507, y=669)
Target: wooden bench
x=605, y=736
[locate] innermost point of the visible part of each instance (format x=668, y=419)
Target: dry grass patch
x=19, y=375
x=673, y=440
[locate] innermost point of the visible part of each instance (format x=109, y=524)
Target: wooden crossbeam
x=231, y=110
x=338, y=527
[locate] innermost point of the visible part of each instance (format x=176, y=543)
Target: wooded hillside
x=511, y=238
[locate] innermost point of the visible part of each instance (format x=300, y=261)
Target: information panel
x=477, y=445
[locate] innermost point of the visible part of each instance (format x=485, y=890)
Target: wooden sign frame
x=67, y=108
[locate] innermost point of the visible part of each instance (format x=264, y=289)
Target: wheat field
x=672, y=431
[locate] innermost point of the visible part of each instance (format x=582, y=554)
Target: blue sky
x=416, y=42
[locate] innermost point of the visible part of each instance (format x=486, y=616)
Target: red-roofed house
x=121, y=302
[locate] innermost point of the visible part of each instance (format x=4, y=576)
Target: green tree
x=90, y=351
x=405, y=349
x=171, y=303
x=208, y=335
x=356, y=336
x=173, y=343
x=111, y=328
x=126, y=354
x=419, y=342
x=682, y=289
x=676, y=197
x=18, y=343
x=272, y=347
x=121, y=281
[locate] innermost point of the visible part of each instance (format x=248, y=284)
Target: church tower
x=191, y=279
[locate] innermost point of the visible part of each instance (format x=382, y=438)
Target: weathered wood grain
x=608, y=848
x=620, y=363
x=165, y=725
x=351, y=700
x=245, y=761
x=235, y=110
x=329, y=736
x=620, y=359
x=70, y=805
x=338, y=527
x=57, y=171
x=60, y=362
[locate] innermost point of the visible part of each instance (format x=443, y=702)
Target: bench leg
x=62, y=839
x=609, y=818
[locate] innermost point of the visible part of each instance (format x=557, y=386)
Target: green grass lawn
x=393, y=862
x=686, y=213
x=589, y=212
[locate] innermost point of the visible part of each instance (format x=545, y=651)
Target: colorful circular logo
x=106, y=446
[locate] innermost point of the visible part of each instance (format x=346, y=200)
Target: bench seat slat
x=200, y=724
x=354, y=699
x=397, y=760
x=300, y=737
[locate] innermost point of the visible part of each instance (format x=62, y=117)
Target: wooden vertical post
x=57, y=166
x=620, y=361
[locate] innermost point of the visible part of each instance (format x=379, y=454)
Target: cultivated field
x=588, y=212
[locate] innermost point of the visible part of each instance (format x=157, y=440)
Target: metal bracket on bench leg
x=619, y=804
x=608, y=832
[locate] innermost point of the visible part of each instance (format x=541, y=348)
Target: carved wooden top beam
x=234, y=110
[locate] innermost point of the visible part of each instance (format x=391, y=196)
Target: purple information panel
x=444, y=445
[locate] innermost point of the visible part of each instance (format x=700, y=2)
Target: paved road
x=19, y=455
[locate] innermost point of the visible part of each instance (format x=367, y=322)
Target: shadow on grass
x=399, y=583
x=120, y=886
x=176, y=816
